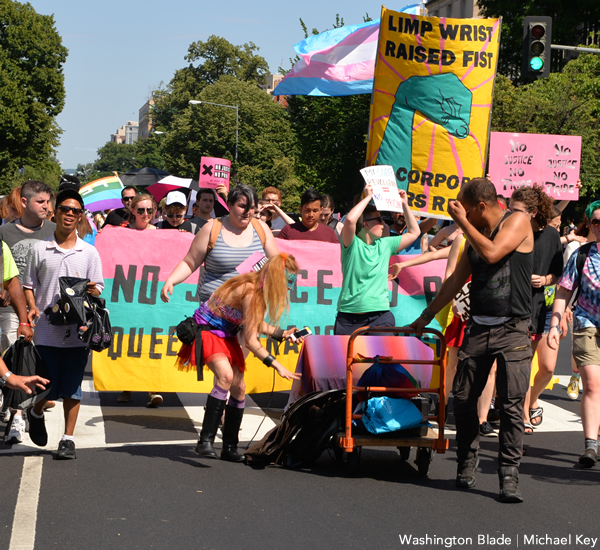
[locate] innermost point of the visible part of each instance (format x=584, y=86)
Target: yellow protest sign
x=431, y=104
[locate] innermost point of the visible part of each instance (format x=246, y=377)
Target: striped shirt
x=47, y=263
x=221, y=262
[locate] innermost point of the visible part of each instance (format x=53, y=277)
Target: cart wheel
x=338, y=453
x=352, y=461
x=404, y=452
x=424, y=457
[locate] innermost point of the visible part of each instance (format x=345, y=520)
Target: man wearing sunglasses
x=120, y=215
x=174, y=213
x=65, y=356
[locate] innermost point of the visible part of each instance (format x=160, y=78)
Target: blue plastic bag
x=387, y=375
x=386, y=414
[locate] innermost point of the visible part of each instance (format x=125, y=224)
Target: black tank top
x=502, y=289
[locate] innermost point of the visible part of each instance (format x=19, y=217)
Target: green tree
x=208, y=61
x=116, y=157
x=566, y=103
x=266, y=142
x=332, y=143
x=32, y=90
x=571, y=25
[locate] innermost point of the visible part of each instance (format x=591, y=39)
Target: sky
x=119, y=51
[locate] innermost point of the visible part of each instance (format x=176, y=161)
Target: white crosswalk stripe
x=90, y=433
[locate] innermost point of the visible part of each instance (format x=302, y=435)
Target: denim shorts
x=66, y=367
x=538, y=337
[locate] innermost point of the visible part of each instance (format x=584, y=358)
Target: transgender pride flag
x=336, y=62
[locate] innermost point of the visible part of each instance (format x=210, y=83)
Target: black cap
x=69, y=194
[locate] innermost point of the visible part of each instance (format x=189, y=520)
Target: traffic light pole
x=575, y=49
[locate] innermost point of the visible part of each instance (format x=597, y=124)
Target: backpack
x=216, y=229
x=305, y=431
x=582, y=254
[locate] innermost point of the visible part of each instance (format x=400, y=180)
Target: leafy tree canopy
x=32, y=90
x=217, y=57
x=566, y=103
x=266, y=142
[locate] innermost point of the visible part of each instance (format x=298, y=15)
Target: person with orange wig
x=242, y=304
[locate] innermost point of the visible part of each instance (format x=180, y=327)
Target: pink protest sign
x=214, y=172
x=552, y=161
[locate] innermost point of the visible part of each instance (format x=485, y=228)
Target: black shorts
x=347, y=323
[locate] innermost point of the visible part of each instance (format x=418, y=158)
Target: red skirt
x=230, y=347
x=455, y=332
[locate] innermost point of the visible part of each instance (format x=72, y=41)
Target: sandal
x=536, y=413
x=528, y=428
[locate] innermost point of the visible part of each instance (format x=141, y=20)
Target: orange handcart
x=349, y=444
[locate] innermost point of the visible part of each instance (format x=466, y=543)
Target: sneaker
x=573, y=388
x=155, y=400
x=486, y=430
x=17, y=430
x=588, y=458
x=37, y=429
x=66, y=450
x=465, y=473
x=124, y=397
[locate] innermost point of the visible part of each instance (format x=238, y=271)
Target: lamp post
x=237, y=124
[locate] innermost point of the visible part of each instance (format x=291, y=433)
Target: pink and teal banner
x=136, y=265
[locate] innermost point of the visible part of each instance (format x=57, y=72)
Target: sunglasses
x=66, y=209
x=595, y=223
x=142, y=211
x=378, y=219
x=126, y=199
x=176, y=216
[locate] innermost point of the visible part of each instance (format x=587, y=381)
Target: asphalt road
x=137, y=483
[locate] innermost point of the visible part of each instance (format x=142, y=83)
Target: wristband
x=268, y=360
x=278, y=334
x=4, y=379
x=557, y=327
x=24, y=325
x=426, y=315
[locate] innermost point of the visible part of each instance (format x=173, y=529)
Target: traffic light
x=537, y=39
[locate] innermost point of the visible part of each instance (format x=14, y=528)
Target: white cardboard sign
x=382, y=179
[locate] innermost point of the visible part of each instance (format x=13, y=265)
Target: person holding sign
x=364, y=298
x=499, y=258
x=245, y=301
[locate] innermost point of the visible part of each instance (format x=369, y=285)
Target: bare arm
x=563, y=297
x=19, y=304
x=349, y=229
x=419, y=260
x=453, y=256
x=281, y=213
x=413, y=229
x=439, y=237
x=192, y=261
x=515, y=230
x=270, y=243
x=253, y=343
x=447, y=293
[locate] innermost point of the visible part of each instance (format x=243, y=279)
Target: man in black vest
x=499, y=258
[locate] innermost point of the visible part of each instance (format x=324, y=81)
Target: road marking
x=24, y=522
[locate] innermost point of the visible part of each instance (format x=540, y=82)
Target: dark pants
x=347, y=323
x=509, y=345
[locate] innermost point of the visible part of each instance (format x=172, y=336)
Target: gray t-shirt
x=21, y=243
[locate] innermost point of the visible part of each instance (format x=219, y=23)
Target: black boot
x=465, y=472
x=210, y=425
x=231, y=430
x=509, y=484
